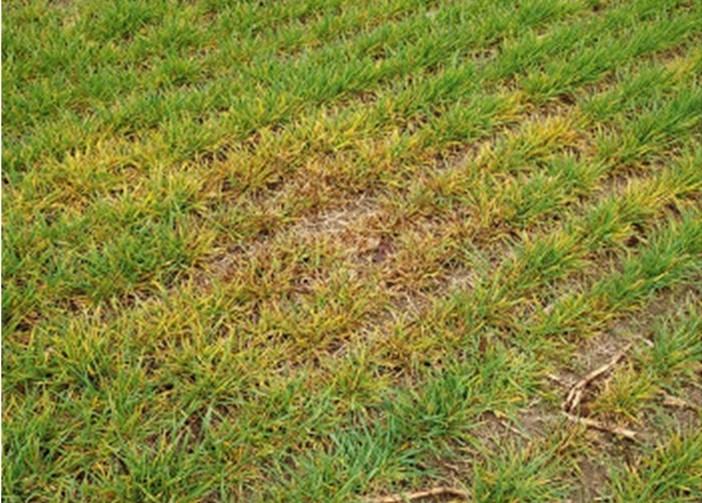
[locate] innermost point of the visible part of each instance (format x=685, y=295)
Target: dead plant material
x=555, y=379
x=678, y=403
x=575, y=395
x=597, y=425
x=418, y=495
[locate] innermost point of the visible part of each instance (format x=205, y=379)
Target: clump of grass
x=534, y=473
x=668, y=472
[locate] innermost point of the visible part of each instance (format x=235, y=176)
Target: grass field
x=326, y=250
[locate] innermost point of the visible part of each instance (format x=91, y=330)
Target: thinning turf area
x=323, y=250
